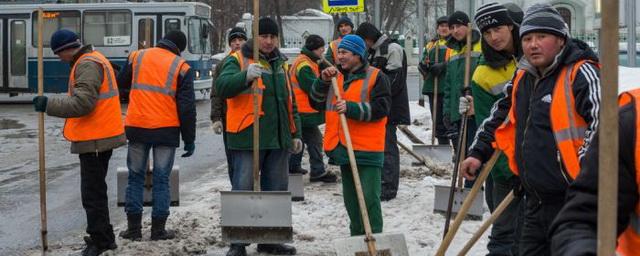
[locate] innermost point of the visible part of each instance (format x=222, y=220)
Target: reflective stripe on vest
x=167, y=89
x=302, y=98
x=365, y=135
x=629, y=240
x=105, y=120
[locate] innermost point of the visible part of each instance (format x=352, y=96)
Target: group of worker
x=534, y=95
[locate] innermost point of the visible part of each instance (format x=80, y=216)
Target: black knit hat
x=441, y=20
x=313, y=42
x=515, y=12
x=236, y=32
x=459, y=18
x=175, y=38
x=267, y=26
x=492, y=15
x=543, y=18
x=367, y=30
x=344, y=20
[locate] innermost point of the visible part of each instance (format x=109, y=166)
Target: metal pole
x=420, y=27
x=377, y=17
x=631, y=31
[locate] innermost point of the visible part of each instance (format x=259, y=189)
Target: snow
x=628, y=78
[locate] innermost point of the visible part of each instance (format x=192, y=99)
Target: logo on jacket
x=547, y=98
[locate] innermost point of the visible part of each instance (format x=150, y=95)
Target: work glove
x=217, y=127
x=421, y=102
x=296, y=146
x=40, y=103
x=518, y=189
x=438, y=68
x=466, y=105
x=189, y=148
x=423, y=68
x=254, y=71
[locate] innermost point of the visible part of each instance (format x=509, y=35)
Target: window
x=171, y=25
x=145, y=33
x=54, y=21
x=18, y=48
x=199, y=41
x=107, y=28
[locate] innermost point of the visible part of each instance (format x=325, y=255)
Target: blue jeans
x=274, y=169
x=137, y=159
x=312, y=137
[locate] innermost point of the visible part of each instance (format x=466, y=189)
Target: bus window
x=170, y=25
x=199, y=39
x=142, y=28
x=18, y=48
x=107, y=28
x=54, y=21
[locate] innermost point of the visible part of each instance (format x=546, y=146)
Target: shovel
x=256, y=216
x=41, y=158
x=147, y=192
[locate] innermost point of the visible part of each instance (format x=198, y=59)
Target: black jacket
x=536, y=153
x=574, y=231
x=379, y=58
x=185, y=100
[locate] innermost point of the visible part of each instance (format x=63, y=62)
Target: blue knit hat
x=64, y=39
x=354, y=44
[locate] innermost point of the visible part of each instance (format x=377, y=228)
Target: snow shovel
x=390, y=244
x=256, y=216
x=147, y=194
x=41, y=158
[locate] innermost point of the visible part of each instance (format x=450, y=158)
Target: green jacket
x=454, y=77
x=486, y=88
x=306, y=77
x=274, y=124
x=429, y=56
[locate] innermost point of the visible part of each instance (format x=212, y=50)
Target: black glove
x=423, y=68
x=438, y=68
x=189, y=148
x=518, y=189
x=40, y=103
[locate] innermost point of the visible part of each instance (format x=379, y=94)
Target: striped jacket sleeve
x=586, y=91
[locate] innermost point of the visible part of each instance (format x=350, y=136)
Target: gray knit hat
x=492, y=15
x=543, y=18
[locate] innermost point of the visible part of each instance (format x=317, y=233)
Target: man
x=94, y=127
x=344, y=27
x=390, y=58
x=500, y=51
x=366, y=103
x=279, y=120
x=303, y=72
x=237, y=37
x=552, y=107
x=574, y=231
x=161, y=110
x=430, y=70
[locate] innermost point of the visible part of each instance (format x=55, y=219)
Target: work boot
x=278, y=249
x=387, y=195
x=92, y=249
x=298, y=170
x=237, y=250
x=134, y=226
x=327, y=177
x=158, y=232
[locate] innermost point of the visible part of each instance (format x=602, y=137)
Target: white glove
x=296, y=146
x=466, y=105
x=217, y=127
x=254, y=71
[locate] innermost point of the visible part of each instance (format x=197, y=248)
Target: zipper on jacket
x=524, y=136
x=562, y=170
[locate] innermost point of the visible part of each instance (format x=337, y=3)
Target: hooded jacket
x=454, y=77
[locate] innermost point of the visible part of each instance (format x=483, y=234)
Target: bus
x=114, y=29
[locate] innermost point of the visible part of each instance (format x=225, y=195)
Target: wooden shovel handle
x=256, y=101
x=41, y=158
x=496, y=213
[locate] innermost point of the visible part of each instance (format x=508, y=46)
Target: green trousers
x=370, y=178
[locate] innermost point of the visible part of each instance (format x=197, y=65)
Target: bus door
x=17, y=53
x=146, y=31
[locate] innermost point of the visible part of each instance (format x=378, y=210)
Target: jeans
x=312, y=138
x=137, y=159
x=505, y=232
x=391, y=168
x=274, y=169
x=93, y=191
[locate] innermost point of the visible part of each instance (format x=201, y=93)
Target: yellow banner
x=342, y=6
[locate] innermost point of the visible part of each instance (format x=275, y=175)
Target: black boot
x=278, y=249
x=134, y=226
x=237, y=250
x=158, y=232
x=92, y=249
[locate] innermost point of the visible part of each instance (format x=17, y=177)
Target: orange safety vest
x=365, y=135
x=302, y=98
x=334, y=48
x=152, y=100
x=567, y=125
x=629, y=240
x=240, y=107
x=105, y=121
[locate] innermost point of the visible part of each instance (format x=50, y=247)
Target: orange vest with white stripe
x=152, y=100
x=302, y=98
x=567, y=125
x=105, y=120
x=334, y=48
x=240, y=107
x=366, y=136
x=629, y=240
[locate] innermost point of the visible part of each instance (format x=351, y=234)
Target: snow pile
x=628, y=78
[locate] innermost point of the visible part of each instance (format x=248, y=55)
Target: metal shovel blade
x=147, y=194
x=256, y=217
x=386, y=244
x=442, y=200
x=437, y=153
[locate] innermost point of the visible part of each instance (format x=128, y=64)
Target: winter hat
x=492, y=15
x=267, y=26
x=543, y=18
x=64, y=39
x=459, y=18
x=236, y=32
x=313, y=42
x=367, y=30
x=515, y=12
x=354, y=44
x=175, y=40
x=442, y=19
x=344, y=20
